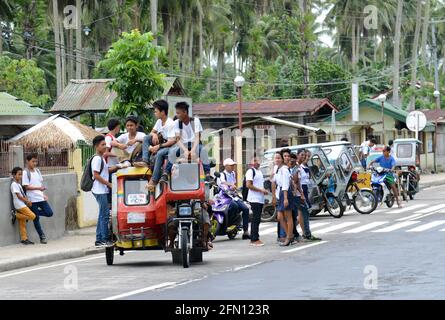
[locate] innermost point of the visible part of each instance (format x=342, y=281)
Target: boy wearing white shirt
x=188, y=139
x=33, y=184
x=158, y=142
x=100, y=172
x=255, y=196
x=128, y=141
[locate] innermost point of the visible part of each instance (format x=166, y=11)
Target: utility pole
x=436, y=71
x=78, y=40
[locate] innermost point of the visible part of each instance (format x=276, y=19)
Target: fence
x=87, y=151
x=50, y=161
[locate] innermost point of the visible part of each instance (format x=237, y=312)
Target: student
x=188, y=136
x=100, y=172
x=294, y=169
x=285, y=200
x=33, y=184
x=365, y=148
x=305, y=205
x=158, y=142
x=286, y=152
x=110, y=139
x=255, y=196
x=21, y=204
x=128, y=140
x=228, y=177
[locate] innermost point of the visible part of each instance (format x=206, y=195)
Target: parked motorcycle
x=220, y=222
x=322, y=197
x=380, y=188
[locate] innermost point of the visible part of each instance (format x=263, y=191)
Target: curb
x=28, y=262
x=432, y=184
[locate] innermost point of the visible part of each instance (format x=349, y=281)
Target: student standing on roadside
x=255, y=196
x=21, y=204
x=33, y=184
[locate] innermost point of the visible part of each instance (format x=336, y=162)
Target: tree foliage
x=132, y=62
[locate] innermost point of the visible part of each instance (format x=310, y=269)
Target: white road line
x=265, y=225
x=246, y=266
x=304, y=247
x=413, y=216
x=409, y=208
x=267, y=231
x=431, y=209
x=132, y=293
x=314, y=225
x=366, y=227
x=427, y=226
x=50, y=266
x=337, y=226
x=429, y=214
x=397, y=226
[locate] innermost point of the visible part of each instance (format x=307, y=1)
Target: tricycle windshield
x=185, y=177
x=317, y=167
x=405, y=150
x=333, y=153
x=135, y=192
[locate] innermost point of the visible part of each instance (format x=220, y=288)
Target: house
x=92, y=96
x=266, y=124
x=437, y=117
x=17, y=115
x=370, y=122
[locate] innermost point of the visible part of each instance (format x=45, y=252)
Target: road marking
x=304, y=247
x=50, y=266
x=409, y=208
x=366, y=227
x=413, y=216
x=429, y=214
x=427, y=226
x=132, y=293
x=397, y=226
x=337, y=226
x=247, y=266
x=265, y=225
x=433, y=208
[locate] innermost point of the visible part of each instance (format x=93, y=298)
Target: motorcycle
x=408, y=182
x=380, y=188
x=322, y=197
x=220, y=222
x=363, y=200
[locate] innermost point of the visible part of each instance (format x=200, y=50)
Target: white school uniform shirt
x=35, y=181
x=167, y=130
x=17, y=188
x=258, y=182
x=188, y=133
x=112, y=161
x=99, y=187
x=226, y=177
x=124, y=138
x=305, y=176
x=282, y=179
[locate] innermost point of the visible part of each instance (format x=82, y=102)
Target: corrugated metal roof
x=434, y=114
x=91, y=95
x=262, y=107
x=85, y=95
x=12, y=106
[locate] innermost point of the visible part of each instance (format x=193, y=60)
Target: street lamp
x=86, y=30
x=239, y=83
x=382, y=99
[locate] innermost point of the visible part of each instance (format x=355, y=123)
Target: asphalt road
x=390, y=254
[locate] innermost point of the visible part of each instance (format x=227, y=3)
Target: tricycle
x=407, y=155
x=172, y=218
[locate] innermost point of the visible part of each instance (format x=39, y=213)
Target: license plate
x=135, y=217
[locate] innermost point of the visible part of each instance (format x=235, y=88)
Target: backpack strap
x=102, y=164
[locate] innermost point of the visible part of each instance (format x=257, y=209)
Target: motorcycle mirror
x=217, y=174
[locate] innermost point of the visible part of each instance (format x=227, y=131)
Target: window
x=185, y=177
x=345, y=164
x=353, y=155
x=404, y=150
x=317, y=168
x=135, y=192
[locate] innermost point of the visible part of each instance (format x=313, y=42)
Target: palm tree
x=414, y=54
x=397, y=35
x=5, y=13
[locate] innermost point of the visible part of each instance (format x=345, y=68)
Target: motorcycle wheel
x=269, y=213
x=185, y=248
x=232, y=235
x=334, y=207
x=369, y=196
x=389, y=200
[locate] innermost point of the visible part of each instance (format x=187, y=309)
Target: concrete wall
x=62, y=191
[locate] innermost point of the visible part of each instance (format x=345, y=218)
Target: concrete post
x=239, y=159
x=16, y=157
x=215, y=150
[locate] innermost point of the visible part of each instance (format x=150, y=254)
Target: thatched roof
x=55, y=132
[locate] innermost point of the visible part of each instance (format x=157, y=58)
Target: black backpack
x=245, y=190
x=86, y=183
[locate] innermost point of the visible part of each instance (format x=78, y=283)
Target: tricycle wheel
x=269, y=213
x=109, y=255
x=185, y=248
x=334, y=207
x=196, y=255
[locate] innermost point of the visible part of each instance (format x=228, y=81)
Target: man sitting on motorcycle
x=387, y=161
x=228, y=177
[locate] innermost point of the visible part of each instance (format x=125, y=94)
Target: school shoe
x=164, y=177
x=43, y=240
x=257, y=243
x=298, y=238
x=109, y=243
x=26, y=242
x=246, y=236
x=311, y=238
x=100, y=244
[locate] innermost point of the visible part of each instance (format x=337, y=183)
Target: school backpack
x=245, y=190
x=86, y=183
